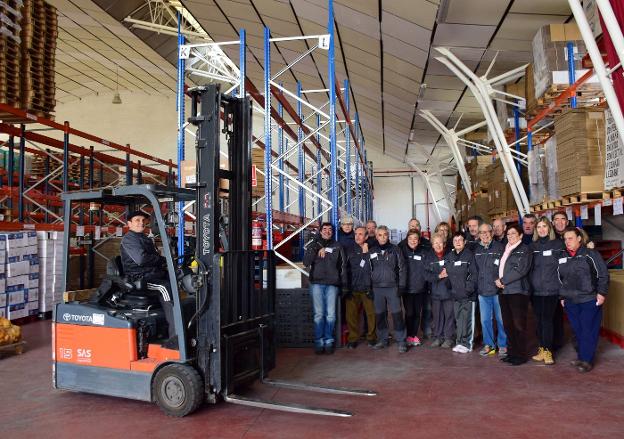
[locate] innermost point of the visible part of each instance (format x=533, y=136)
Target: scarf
x=440, y=255
x=573, y=252
x=508, y=249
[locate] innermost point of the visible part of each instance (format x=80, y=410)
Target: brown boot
x=540, y=355
x=548, y=357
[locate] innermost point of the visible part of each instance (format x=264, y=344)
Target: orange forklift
x=111, y=342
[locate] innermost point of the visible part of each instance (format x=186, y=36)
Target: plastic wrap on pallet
x=550, y=59
x=536, y=175
x=550, y=160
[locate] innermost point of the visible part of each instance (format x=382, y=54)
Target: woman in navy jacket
x=547, y=250
x=513, y=280
x=584, y=286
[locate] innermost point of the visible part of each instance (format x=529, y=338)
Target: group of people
x=431, y=287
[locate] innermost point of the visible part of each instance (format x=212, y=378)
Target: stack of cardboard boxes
x=19, y=286
x=500, y=197
x=580, y=150
x=50, y=250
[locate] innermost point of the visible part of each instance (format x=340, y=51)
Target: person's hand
x=370, y=295
x=499, y=284
x=600, y=299
x=365, y=248
x=562, y=303
x=321, y=252
x=443, y=274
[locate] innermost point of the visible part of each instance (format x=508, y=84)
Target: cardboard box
x=16, y=297
x=15, y=312
x=3, y=312
x=31, y=238
x=32, y=295
x=3, y=300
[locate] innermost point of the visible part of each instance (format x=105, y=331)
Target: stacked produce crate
x=28, y=35
x=580, y=150
x=19, y=285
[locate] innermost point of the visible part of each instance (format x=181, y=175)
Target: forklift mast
x=236, y=302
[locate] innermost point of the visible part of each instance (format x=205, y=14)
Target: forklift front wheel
x=178, y=389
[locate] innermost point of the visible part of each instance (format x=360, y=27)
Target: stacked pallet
x=38, y=169
x=477, y=171
x=10, y=53
x=39, y=34
x=28, y=34
x=580, y=150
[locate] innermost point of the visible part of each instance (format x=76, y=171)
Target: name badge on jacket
x=329, y=249
x=417, y=257
x=373, y=255
x=458, y=263
x=362, y=263
x=496, y=261
x=441, y=263
x=563, y=260
x=547, y=253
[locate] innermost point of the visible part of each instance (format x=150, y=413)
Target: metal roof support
x=596, y=57
x=428, y=183
x=482, y=90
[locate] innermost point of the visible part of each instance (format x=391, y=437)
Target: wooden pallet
x=587, y=94
x=13, y=348
x=583, y=197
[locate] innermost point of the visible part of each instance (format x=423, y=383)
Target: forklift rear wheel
x=178, y=389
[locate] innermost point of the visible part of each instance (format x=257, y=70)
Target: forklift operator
x=140, y=260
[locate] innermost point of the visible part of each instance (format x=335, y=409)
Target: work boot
x=330, y=348
x=584, y=366
x=436, y=343
x=381, y=344
x=540, y=355
x=371, y=343
x=402, y=347
x=447, y=344
x=548, y=357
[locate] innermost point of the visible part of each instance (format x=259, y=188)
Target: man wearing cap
x=140, y=259
x=346, y=236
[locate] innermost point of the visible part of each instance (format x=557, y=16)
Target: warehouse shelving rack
x=33, y=201
x=313, y=151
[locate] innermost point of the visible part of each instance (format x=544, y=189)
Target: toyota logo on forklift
x=174, y=352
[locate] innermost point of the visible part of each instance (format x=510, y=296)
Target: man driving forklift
x=140, y=260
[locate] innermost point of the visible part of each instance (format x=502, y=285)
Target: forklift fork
x=292, y=407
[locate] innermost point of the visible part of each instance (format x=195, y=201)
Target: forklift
x=109, y=341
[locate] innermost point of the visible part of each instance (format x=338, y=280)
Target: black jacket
x=440, y=288
x=546, y=255
x=388, y=267
x=487, y=260
x=358, y=270
x=516, y=273
x=416, y=262
x=140, y=258
x=372, y=242
x=330, y=270
x=462, y=272
x=423, y=242
x=527, y=239
x=582, y=276
x=347, y=240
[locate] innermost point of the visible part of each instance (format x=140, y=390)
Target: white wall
x=147, y=122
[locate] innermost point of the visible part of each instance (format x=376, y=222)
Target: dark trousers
x=558, y=332
x=353, y=303
x=414, y=307
x=585, y=319
x=514, y=308
x=443, y=322
x=389, y=298
x=427, y=317
x=163, y=288
x=544, y=308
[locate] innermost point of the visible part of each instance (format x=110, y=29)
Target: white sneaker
x=457, y=348
x=462, y=349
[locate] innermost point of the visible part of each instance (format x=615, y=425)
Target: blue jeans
x=324, y=305
x=490, y=307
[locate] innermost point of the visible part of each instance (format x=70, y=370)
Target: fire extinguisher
x=256, y=235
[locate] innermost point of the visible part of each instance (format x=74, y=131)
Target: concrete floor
x=424, y=393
